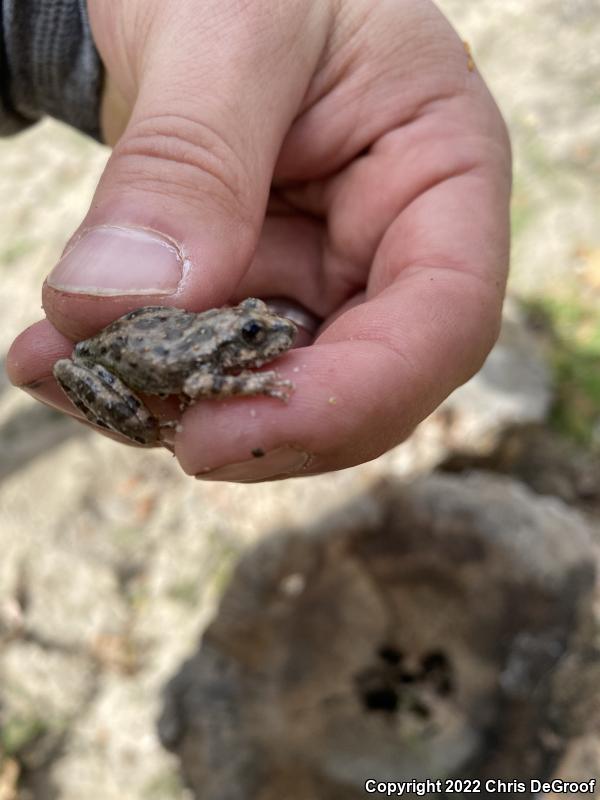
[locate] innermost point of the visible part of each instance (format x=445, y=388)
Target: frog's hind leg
x=106, y=401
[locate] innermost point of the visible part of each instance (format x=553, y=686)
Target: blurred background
x=112, y=562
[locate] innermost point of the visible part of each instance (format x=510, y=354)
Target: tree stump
x=443, y=629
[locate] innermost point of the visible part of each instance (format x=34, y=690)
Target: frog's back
x=136, y=330
x=146, y=347
x=148, y=324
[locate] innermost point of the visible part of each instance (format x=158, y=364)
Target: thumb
x=178, y=211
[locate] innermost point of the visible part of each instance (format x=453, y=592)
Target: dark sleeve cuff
x=48, y=65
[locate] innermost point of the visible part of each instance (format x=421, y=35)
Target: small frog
x=168, y=351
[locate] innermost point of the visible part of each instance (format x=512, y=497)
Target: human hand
x=382, y=165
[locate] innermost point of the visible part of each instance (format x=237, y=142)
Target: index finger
x=376, y=372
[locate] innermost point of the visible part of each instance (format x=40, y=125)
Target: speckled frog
x=166, y=351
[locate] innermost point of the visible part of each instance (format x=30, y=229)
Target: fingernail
x=111, y=260
x=279, y=463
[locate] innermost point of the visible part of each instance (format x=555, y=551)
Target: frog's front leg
x=215, y=384
x=106, y=401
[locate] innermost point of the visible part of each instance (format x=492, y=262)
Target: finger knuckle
x=175, y=155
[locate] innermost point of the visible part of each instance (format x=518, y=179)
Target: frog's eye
x=252, y=331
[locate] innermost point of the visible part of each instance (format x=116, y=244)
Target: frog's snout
x=286, y=329
x=281, y=337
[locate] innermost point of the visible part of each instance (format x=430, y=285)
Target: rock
x=419, y=632
x=546, y=461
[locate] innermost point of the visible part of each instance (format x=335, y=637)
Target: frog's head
x=260, y=336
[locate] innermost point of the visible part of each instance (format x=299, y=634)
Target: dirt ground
x=112, y=560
